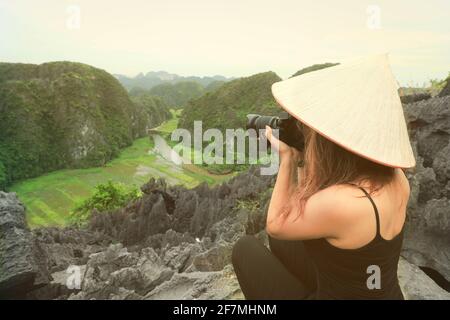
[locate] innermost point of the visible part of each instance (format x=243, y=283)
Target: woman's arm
x=285, y=185
x=321, y=216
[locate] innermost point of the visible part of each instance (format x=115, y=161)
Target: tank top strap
x=377, y=217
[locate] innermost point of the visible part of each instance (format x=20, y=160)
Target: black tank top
x=368, y=272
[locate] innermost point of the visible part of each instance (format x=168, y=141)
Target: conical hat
x=354, y=104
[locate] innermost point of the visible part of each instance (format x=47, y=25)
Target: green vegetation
x=50, y=197
x=225, y=168
x=168, y=126
x=227, y=106
x=107, y=196
x=314, y=67
x=248, y=204
x=214, y=85
x=437, y=84
x=154, y=78
x=214, y=169
x=443, y=86
x=64, y=115
x=3, y=178
x=152, y=111
x=434, y=87
x=178, y=94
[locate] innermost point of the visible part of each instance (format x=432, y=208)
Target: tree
x=106, y=197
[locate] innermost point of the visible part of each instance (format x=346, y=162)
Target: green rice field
x=50, y=198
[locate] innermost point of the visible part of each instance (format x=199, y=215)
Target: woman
x=335, y=224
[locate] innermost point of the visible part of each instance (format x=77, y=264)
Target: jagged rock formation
x=20, y=267
x=418, y=286
x=173, y=243
x=427, y=241
x=414, y=97
x=172, y=236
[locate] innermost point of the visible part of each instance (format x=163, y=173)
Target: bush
x=106, y=197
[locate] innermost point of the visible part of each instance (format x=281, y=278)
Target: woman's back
x=362, y=261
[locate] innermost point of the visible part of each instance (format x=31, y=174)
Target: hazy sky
x=228, y=37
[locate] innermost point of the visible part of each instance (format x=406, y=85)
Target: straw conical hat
x=356, y=105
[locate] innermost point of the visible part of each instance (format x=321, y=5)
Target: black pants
x=283, y=272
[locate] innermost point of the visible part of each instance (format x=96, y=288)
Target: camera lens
x=258, y=122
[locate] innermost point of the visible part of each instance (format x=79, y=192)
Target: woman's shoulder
x=346, y=200
x=336, y=194
x=334, y=206
x=335, y=201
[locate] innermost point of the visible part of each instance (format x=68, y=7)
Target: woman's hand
x=284, y=150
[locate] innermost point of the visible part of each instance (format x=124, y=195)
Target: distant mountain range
x=154, y=78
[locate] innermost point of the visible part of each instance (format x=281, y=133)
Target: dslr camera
x=289, y=131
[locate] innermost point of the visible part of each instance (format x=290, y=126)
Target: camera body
x=289, y=132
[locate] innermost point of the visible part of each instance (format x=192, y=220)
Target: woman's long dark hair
x=327, y=164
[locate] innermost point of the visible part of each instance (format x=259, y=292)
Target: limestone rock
x=20, y=271
x=199, y=285
x=428, y=217
x=416, y=285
